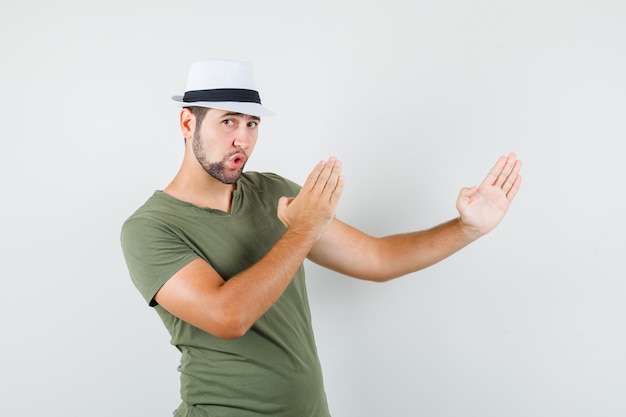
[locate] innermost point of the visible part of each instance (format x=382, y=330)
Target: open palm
x=483, y=207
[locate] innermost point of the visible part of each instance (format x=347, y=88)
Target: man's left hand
x=483, y=207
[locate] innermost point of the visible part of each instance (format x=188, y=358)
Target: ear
x=187, y=123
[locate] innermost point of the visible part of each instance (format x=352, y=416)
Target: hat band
x=223, y=94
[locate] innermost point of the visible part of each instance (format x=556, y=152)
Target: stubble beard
x=217, y=170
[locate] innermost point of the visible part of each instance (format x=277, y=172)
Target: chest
x=233, y=242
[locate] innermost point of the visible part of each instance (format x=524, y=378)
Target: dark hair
x=199, y=113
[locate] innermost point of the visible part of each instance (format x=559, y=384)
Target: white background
x=418, y=99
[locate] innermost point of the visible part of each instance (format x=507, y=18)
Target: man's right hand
x=313, y=209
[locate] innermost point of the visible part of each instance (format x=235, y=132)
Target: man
x=219, y=252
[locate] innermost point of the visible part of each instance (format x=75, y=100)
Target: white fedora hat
x=222, y=84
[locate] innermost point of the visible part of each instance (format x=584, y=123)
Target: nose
x=243, y=138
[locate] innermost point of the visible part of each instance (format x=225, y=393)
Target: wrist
x=300, y=237
x=471, y=233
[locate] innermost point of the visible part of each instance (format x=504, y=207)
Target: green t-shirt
x=273, y=370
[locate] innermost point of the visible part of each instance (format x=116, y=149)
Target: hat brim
x=253, y=109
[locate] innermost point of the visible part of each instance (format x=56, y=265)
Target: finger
x=325, y=174
x=493, y=174
x=314, y=175
x=506, y=171
x=467, y=193
x=510, y=195
x=336, y=194
x=283, y=202
x=512, y=177
x=333, y=176
x=501, y=170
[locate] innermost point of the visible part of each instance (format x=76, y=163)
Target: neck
x=197, y=187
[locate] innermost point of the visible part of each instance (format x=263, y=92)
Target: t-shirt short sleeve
x=153, y=254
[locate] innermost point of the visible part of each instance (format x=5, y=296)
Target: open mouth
x=237, y=161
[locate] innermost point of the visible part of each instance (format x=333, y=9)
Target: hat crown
x=222, y=84
x=217, y=73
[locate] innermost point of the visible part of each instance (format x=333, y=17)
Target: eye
x=253, y=124
x=228, y=122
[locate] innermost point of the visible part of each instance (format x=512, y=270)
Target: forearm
x=401, y=254
x=227, y=309
x=351, y=252
x=248, y=295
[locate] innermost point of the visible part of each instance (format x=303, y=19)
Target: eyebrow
x=242, y=115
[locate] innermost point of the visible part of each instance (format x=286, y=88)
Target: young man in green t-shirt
x=219, y=254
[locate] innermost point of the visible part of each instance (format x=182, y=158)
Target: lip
x=237, y=160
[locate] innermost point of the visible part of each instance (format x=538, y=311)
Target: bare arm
x=227, y=309
x=349, y=251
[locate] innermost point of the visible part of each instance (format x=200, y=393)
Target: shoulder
x=151, y=218
x=158, y=206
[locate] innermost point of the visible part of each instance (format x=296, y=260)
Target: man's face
x=223, y=143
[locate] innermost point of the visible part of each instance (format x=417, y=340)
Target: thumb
x=283, y=202
x=465, y=195
x=467, y=192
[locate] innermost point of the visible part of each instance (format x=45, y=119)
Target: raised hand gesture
x=313, y=209
x=483, y=207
